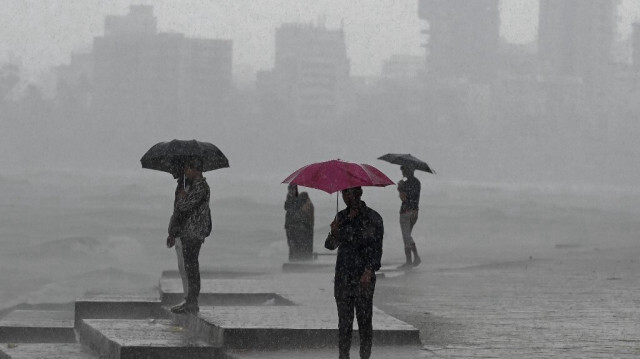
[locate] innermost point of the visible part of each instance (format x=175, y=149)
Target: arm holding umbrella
x=187, y=201
x=339, y=233
x=174, y=222
x=334, y=239
x=401, y=192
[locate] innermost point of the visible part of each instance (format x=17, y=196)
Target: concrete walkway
x=274, y=315
x=576, y=303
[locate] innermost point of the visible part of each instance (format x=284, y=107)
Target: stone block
x=37, y=326
x=105, y=306
x=45, y=351
x=224, y=292
x=134, y=339
x=289, y=327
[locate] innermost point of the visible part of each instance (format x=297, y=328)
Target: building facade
x=142, y=74
x=310, y=74
x=463, y=38
x=635, y=43
x=575, y=37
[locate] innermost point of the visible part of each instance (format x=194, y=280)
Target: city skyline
x=45, y=34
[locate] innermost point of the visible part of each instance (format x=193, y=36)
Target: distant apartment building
x=575, y=37
x=310, y=74
x=142, y=73
x=463, y=37
x=73, y=82
x=139, y=21
x=635, y=43
x=402, y=67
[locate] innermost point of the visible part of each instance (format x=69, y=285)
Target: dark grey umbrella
x=171, y=156
x=405, y=159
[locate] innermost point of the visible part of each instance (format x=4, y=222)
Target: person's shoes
x=178, y=307
x=406, y=265
x=186, y=308
x=417, y=261
x=193, y=308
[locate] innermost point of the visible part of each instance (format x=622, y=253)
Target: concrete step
x=222, y=292
x=288, y=327
x=134, y=339
x=310, y=266
x=37, y=326
x=118, y=306
x=45, y=351
x=377, y=352
x=215, y=274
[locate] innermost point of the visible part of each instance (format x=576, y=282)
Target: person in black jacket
x=409, y=193
x=191, y=221
x=174, y=226
x=357, y=233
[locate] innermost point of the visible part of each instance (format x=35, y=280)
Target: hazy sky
x=44, y=32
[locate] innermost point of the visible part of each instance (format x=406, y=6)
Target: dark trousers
x=190, y=253
x=360, y=300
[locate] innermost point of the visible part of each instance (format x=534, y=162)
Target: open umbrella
x=336, y=175
x=170, y=156
x=407, y=160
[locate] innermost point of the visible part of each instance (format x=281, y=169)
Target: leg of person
x=405, y=228
x=416, y=258
x=296, y=248
x=345, y=301
x=191, y=251
x=307, y=246
x=183, y=273
x=364, y=314
x=290, y=243
x=181, y=270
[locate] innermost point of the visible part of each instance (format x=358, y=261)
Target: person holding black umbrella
x=191, y=218
x=191, y=222
x=409, y=192
x=174, y=227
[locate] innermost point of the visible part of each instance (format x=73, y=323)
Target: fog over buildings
x=564, y=108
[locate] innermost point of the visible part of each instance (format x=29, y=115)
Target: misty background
x=527, y=110
x=495, y=91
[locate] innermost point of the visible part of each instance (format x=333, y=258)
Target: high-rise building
x=403, y=67
x=310, y=73
x=139, y=21
x=635, y=43
x=575, y=37
x=207, y=75
x=463, y=37
x=144, y=74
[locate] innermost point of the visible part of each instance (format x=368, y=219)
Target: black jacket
x=359, y=243
x=191, y=217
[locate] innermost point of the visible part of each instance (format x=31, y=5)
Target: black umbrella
x=171, y=156
x=407, y=160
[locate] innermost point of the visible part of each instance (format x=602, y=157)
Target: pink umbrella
x=336, y=175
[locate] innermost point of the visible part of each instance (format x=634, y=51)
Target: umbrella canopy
x=336, y=175
x=170, y=156
x=406, y=160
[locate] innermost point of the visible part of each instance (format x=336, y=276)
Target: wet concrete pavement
x=581, y=303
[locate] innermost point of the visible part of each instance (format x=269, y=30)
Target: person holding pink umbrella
x=356, y=232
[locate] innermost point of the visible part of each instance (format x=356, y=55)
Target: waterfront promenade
x=573, y=302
